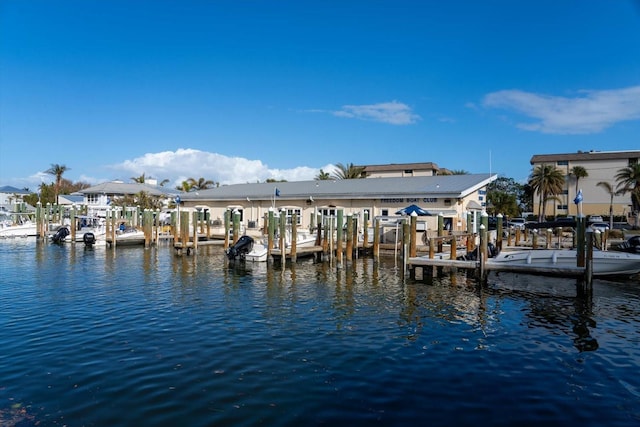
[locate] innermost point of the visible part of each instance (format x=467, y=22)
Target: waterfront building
x=601, y=166
x=452, y=196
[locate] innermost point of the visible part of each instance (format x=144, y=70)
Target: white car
x=599, y=226
x=595, y=218
x=517, y=223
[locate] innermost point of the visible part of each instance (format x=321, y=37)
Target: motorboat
x=17, y=225
x=89, y=231
x=128, y=236
x=246, y=248
x=605, y=263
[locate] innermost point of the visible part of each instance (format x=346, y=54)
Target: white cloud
x=395, y=113
x=185, y=163
x=591, y=112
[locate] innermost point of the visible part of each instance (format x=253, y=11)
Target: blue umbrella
x=411, y=209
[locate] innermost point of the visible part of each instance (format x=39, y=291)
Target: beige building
x=455, y=197
x=602, y=166
x=395, y=170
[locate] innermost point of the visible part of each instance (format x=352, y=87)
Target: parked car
x=595, y=218
x=599, y=226
x=517, y=223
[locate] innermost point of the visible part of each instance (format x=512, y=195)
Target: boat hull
x=605, y=263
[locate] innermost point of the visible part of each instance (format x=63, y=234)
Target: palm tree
x=139, y=179
x=349, y=171
x=608, y=187
x=578, y=172
x=185, y=186
x=628, y=181
x=459, y=172
x=57, y=171
x=547, y=181
x=323, y=176
x=201, y=184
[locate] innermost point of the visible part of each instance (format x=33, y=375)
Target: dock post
x=580, y=230
x=413, y=241
x=440, y=230
x=482, y=253
x=534, y=239
x=73, y=226
x=405, y=245
x=227, y=227
x=236, y=225
x=454, y=249
x=282, y=240
x=365, y=227
x=588, y=271
x=339, y=238
x=349, y=246
x=319, y=238
x=499, y=233
x=549, y=237
x=294, y=238
x=376, y=239
x=271, y=225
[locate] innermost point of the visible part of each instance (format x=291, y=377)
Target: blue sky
x=242, y=91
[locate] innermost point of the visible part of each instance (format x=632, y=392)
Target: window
x=562, y=207
x=327, y=212
x=290, y=213
x=92, y=199
x=385, y=212
x=562, y=163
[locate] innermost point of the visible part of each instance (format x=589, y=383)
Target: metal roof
x=122, y=188
x=400, y=167
x=365, y=188
x=13, y=190
x=585, y=156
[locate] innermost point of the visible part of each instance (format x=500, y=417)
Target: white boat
x=91, y=230
x=605, y=263
x=257, y=254
x=17, y=225
x=248, y=249
x=129, y=236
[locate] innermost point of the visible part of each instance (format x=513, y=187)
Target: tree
x=139, y=179
x=185, y=186
x=348, y=171
x=201, y=184
x=459, y=172
x=547, y=181
x=578, y=172
x=323, y=176
x=628, y=181
x=608, y=187
x=57, y=171
x=142, y=199
x=505, y=195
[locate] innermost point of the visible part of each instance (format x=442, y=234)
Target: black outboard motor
x=59, y=236
x=630, y=245
x=242, y=247
x=89, y=239
x=492, y=252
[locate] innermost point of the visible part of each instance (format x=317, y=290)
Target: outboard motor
x=492, y=252
x=59, y=236
x=89, y=239
x=242, y=247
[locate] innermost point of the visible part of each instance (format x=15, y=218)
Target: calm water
x=145, y=338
